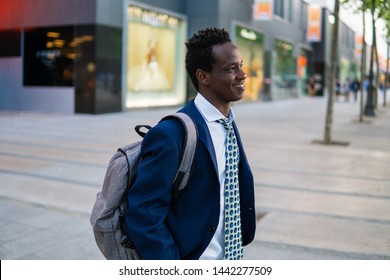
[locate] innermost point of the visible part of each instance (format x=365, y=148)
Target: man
x=193, y=225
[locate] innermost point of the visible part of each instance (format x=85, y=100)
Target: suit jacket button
x=212, y=229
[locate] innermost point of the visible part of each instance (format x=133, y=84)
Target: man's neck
x=224, y=108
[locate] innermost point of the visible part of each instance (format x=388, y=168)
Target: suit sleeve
x=150, y=196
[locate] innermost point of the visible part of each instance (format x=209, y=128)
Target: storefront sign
x=314, y=23
x=248, y=34
x=262, y=9
x=302, y=64
x=382, y=63
x=152, y=18
x=358, y=45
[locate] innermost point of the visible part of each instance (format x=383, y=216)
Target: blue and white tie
x=232, y=229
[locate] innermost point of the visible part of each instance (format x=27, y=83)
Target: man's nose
x=242, y=75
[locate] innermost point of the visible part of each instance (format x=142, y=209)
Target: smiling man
x=214, y=216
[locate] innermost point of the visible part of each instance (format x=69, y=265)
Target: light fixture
x=331, y=19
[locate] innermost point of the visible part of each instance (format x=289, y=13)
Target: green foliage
x=381, y=10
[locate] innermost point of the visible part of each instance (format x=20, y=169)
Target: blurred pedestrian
x=337, y=89
x=311, y=89
x=355, y=87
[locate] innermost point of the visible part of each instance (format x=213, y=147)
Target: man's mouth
x=240, y=86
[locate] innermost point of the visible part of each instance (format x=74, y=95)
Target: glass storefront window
x=284, y=70
x=48, y=56
x=150, y=66
x=251, y=46
x=348, y=69
x=155, y=59
x=348, y=72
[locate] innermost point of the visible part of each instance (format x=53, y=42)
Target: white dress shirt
x=215, y=250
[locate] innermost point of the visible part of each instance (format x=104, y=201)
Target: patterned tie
x=233, y=238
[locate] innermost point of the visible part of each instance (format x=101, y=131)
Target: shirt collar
x=209, y=112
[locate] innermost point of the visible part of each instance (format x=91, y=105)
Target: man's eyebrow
x=234, y=62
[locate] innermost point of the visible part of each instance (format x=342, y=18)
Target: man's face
x=226, y=80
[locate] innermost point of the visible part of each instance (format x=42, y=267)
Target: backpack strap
x=188, y=152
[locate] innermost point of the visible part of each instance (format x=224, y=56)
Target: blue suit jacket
x=164, y=228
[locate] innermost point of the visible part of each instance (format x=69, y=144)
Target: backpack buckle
x=127, y=243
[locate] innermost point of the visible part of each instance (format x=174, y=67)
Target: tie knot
x=227, y=124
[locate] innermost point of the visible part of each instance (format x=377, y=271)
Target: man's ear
x=202, y=76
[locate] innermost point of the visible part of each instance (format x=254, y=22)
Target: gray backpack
x=107, y=217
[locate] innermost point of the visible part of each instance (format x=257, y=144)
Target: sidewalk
x=313, y=201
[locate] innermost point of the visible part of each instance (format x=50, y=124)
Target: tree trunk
x=363, y=68
x=378, y=73
x=369, y=109
x=333, y=65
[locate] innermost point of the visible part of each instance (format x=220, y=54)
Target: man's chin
x=238, y=95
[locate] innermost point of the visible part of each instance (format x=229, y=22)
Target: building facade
x=99, y=56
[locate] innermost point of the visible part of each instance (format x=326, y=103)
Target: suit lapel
x=203, y=131
x=243, y=159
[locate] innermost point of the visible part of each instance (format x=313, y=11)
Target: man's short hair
x=200, y=51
